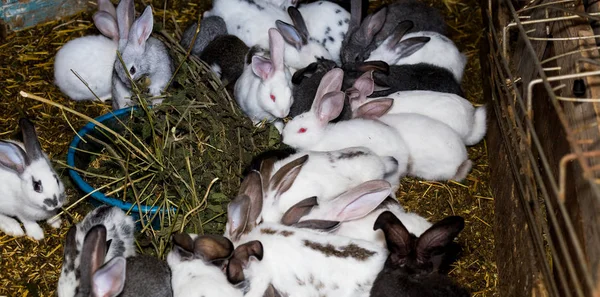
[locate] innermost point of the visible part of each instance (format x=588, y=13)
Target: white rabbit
x=450, y=109
x=91, y=57
x=142, y=55
x=250, y=20
x=358, y=208
x=31, y=190
x=196, y=265
x=420, y=47
x=437, y=152
x=294, y=261
x=317, y=174
x=119, y=235
x=312, y=130
x=263, y=91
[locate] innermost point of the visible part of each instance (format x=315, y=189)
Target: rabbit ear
x=183, y=245
x=30, y=140
x=330, y=82
x=276, y=48
x=410, y=46
x=299, y=23
x=290, y=34
x=125, y=17
x=110, y=279
x=266, y=169
x=323, y=225
x=371, y=25
x=374, y=109
x=379, y=66
x=355, y=15
x=438, y=237
x=271, y=292
x=284, y=178
x=397, y=237
x=252, y=187
x=365, y=84
x=241, y=257
x=142, y=28
x=237, y=216
x=107, y=6
x=262, y=67
x=212, y=248
x=13, y=157
x=399, y=32
x=92, y=254
x=358, y=201
x=330, y=106
x=300, y=209
x=106, y=24
x=70, y=249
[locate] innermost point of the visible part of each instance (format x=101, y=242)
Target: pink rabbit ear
x=331, y=82
x=359, y=201
x=107, y=6
x=276, y=47
x=125, y=17
x=365, y=85
x=142, y=28
x=330, y=107
x=374, y=109
x=107, y=24
x=262, y=67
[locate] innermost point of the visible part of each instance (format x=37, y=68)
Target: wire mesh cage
x=544, y=84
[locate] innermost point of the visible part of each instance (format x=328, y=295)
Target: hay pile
x=32, y=268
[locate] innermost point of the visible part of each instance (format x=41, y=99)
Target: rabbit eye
x=273, y=97
x=37, y=185
x=301, y=130
x=132, y=70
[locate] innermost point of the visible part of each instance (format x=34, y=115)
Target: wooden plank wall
x=22, y=14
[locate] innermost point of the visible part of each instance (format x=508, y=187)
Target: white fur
x=194, y=278
x=325, y=176
x=251, y=25
x=378, y=137
x=437, y=152
x=439, y=51
x=20, y=202
x=320, y=16
x=296, y=269
x=450, y=109
x=93, y=58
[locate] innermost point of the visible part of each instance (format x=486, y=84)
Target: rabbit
x=358, y=208
x=119, y=238
x=226, y=57
x=411, y=268
x=317, y=174
x=91, y=57
x=311, y=131
x=327, y=23
x=363, y=38
x=263, y=91
x=133, y=276
x=250, y=20
x=420, y=47
x=346, y=5
x=142, y=55
x=197, y=262
x=323, y=264
x=210, y=28
x=450, y=109
x=436, y=151
x=31, y=190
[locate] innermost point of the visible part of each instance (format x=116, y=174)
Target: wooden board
x=22, y=14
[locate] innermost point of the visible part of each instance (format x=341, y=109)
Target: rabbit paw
x=34, y=230
x=54, y=223
x=155, y=90
x=10, y=226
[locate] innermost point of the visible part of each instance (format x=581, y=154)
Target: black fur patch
x=340, y=23
x=51, y=202
x=338, y=10
x=331, y=39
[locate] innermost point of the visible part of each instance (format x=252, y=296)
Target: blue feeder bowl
x=74, y=159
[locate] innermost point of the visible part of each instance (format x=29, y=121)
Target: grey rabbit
x=226, y=56
x=420, y=76
x=411, y=268
x=363, y=37
x=125, y=277
x=210, y=28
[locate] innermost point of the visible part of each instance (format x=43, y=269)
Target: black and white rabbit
x=226, y=56
x=411, y=269
x=143, y=56
x=210, y=28
x=31, y=190
x=120, y=276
